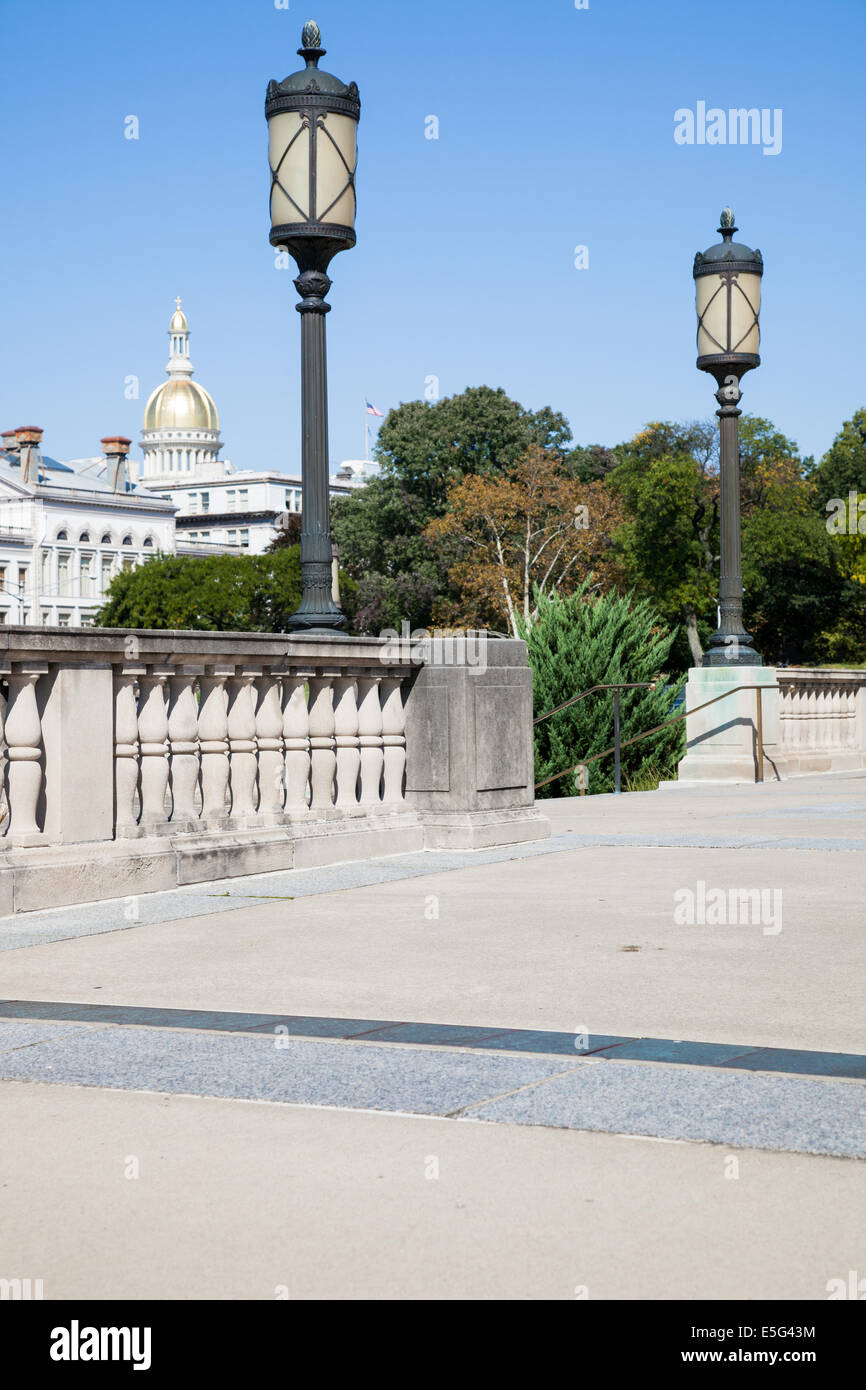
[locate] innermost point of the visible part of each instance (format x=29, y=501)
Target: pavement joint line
x=515, y=1091
x=39, y=1042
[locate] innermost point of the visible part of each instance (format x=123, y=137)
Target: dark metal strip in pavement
x=744, y=1057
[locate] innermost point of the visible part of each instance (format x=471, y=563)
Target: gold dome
x=180, y=404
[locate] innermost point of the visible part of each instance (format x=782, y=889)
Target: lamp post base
x=731, y=649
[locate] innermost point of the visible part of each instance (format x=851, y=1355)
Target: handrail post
x=617, y=779
x=759, y=733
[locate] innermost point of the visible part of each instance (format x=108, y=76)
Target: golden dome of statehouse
x=180, y=404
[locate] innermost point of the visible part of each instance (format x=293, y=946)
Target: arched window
x=127, y=540
x=106, y=539
x=62, y=535
x=148, y=542
x=84, y=538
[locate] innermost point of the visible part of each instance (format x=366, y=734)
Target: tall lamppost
x=313, y=126
x=728, y=302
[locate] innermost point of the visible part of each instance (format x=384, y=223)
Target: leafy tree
x=670, y=544
x=529, y=532
x=841, y=472
x=423, y=449
x=590, y=463
x=588, y=639
x=426, y=446
x=289, y=535
x=796, y=591
x=668, y=477
x=222, y=593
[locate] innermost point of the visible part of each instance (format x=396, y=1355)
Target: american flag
x=371, y=410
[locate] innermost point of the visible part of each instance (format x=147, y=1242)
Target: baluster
x=296, y=732
x=850, y=740
x=269, y=731
x=783, y=714
x=24, y=743
x=810, y=701
x=126, y=749
x=802, y=717
x=183, y=738
x=347, y=741
x=394, y=739
x=213, y=741
x=153, y=733
x=370, y=731
x=323, y=759
x=242, y=745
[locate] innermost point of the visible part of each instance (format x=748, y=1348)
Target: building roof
x=81, y=476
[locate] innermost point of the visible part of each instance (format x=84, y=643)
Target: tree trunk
x=692, y=633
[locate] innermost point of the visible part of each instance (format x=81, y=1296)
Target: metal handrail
x=637, y=685
x=616, y=688
x=617, y=746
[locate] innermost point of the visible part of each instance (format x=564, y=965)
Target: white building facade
x=65, y=532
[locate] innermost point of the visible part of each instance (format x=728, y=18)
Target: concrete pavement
x=235, y=1200
x=585, y=933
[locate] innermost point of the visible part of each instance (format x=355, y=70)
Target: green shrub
x=587, y=640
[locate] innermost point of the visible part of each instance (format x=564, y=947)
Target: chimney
x=29, y=440
x=116, y=448
x=9, y=443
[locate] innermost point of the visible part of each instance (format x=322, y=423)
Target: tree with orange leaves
x=533, y=527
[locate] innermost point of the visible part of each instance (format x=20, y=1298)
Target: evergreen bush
x=588, y=639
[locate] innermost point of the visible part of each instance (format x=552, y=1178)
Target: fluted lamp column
x=728, y=302
x=313, y=122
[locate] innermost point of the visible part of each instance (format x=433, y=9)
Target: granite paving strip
x=286, y=1070
x=771, y=1112
x=740, y=1056
x=196, y=900
x=762, y=1112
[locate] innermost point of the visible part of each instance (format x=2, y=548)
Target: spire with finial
x=178, y=330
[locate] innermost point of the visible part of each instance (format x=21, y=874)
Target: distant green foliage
x=218, y=593
x=581, y=641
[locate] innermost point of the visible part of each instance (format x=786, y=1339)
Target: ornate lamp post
x=728, y=303
x=313, y=125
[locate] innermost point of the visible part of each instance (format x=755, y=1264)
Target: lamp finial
x=312, y=35
x=726, y=224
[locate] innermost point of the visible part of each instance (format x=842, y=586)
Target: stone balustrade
x=811, y=721
x=134, y=761
x=822, y=719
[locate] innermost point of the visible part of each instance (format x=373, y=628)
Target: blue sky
x=555, y=130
